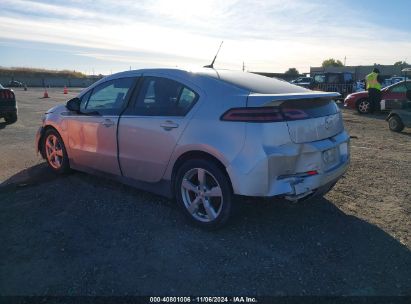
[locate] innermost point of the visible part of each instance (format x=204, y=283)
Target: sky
x=108, y=36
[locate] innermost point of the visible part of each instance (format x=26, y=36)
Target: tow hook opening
x=295, y=198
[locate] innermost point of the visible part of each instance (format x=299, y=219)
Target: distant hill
x=34, y=72
x=42, y=77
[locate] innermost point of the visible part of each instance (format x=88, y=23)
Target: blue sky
x=108, y=36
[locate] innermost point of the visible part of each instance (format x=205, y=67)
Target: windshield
x=1, y=87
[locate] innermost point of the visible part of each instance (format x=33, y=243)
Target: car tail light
x=259, y=114
x=6, y=95
x=263, y=114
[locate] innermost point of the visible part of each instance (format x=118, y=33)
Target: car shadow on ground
x=3, y=125
x=31, y=176
x=379, y=115
x=83, y=235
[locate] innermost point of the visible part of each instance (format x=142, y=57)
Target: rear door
x=151, y=127
x=92, y=136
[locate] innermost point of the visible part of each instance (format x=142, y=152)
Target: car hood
x=58, y=109
x=359, y=94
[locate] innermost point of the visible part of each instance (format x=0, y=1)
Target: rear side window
x=164, y=97
x=319, y=78
x=401, y=88
x=334, y=78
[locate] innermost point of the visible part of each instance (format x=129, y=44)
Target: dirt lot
x=83, y=235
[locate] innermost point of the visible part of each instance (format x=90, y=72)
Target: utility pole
x=345, y=59
x=243, y=67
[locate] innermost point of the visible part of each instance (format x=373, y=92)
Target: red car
x=359, y=100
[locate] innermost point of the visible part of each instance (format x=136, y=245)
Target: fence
x=343, y=89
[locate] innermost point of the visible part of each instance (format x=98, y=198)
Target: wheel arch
x=197, y=154
x=389, y=116
x=40, y=142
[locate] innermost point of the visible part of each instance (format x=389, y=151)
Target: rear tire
x=55, y=152
x=204, y=193
x=10, y=118
x=363, y=106
x=395, y=123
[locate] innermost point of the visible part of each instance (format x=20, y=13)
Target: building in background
x=386, y=71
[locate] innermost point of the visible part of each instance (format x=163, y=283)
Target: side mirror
x=408, y=94
x=74, y=104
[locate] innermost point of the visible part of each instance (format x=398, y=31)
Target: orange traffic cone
x=65, y=90
x=46, y=94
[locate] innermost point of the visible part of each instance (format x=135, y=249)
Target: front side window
x=84, y=100
x=164, y=97
x=108, y=97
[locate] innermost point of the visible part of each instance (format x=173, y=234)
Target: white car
x=201, y=137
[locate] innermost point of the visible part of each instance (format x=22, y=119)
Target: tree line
x=331, y=62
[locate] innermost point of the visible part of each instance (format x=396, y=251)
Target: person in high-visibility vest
x=373, y=81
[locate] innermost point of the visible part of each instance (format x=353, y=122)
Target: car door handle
x=168, y=125
x=107, y=123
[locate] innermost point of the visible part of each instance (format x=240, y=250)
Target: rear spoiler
x=255, y=99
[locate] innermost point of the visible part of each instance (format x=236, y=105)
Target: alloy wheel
x=202, y=195
x=54, y=151
x=364, y=106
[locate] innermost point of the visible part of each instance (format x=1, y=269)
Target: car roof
x=244, y=80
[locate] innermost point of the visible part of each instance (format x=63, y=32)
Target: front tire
x=55, y=152
x=10, y=118
x=395, y=124
x=363, y=106
x=204, y=193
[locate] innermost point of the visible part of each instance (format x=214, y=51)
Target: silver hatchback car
x=201, y=136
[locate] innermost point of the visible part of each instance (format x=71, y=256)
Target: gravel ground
x=83, y=235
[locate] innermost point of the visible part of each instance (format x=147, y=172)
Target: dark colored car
x=305, y=82
x=15, y=84
x=360, y=102
x=8, y=105
x=342, y=83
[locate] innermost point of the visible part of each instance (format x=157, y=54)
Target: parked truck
x=342, y=83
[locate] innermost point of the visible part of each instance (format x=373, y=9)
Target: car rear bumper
x=288, y=171
x=7, y=109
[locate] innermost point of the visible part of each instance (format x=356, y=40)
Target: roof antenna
x=212, y=63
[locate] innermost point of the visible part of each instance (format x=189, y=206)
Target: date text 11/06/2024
x=203, y=300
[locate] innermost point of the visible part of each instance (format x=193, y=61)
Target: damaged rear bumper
x=282, y=172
